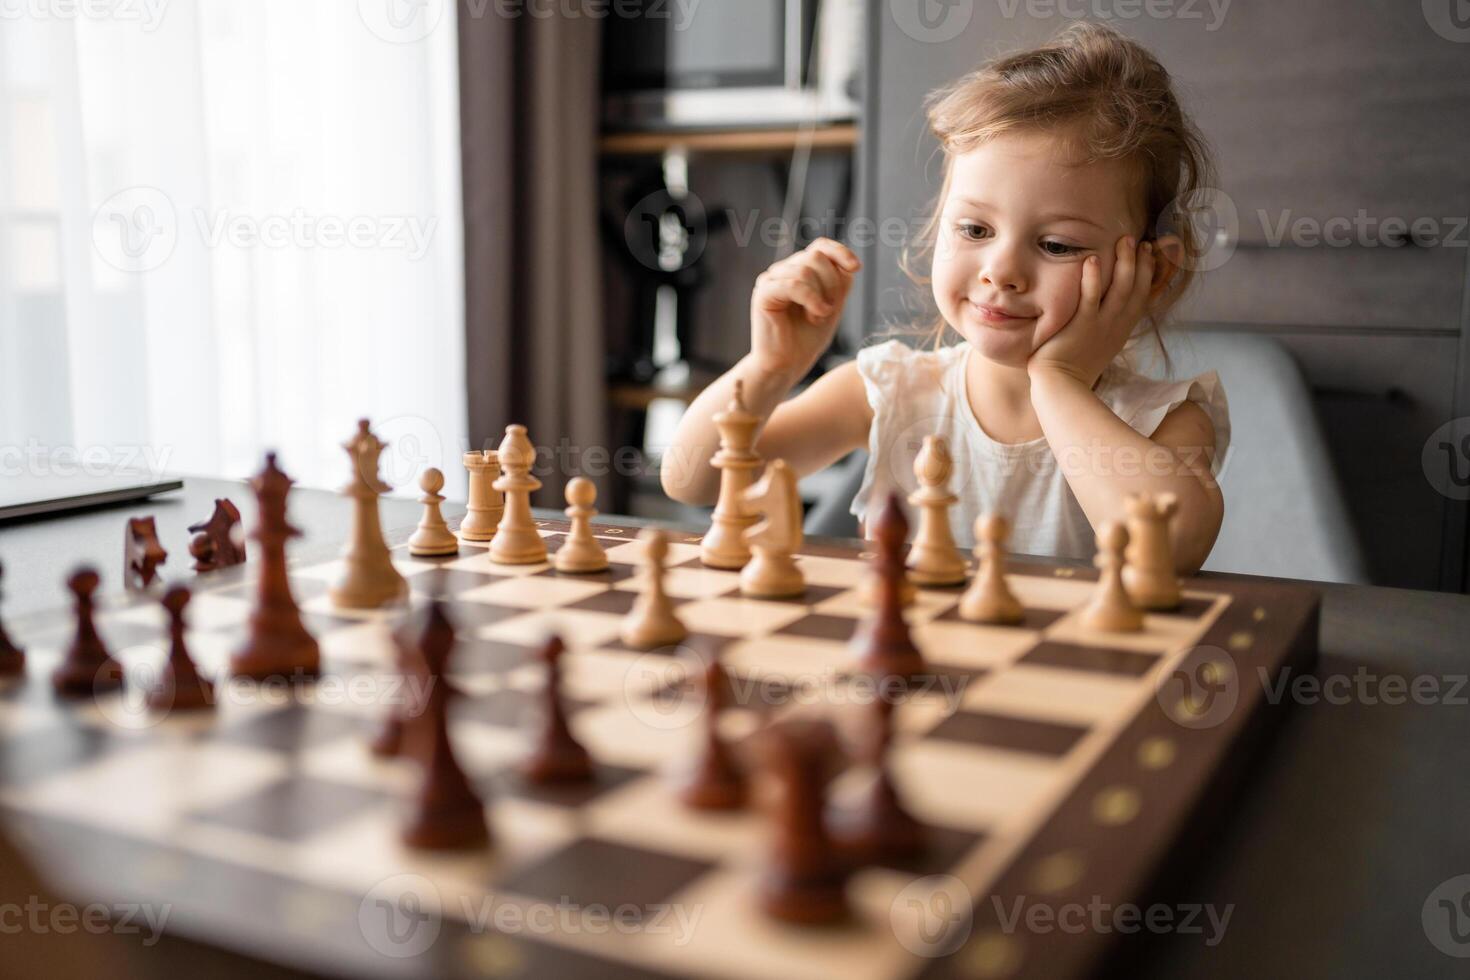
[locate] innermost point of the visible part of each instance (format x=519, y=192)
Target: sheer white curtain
x=227, y=226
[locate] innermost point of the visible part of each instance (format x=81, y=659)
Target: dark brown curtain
x=529, y=94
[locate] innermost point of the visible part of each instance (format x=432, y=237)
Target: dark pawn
x=881, y=643
x=388, y=743
x=880, y=829
x=717, y=782
x=446, y=814
x=805, y=877
x=180, y=688
x=12, y=657
x=557, y=756
x=142, y=553
x=87, y=667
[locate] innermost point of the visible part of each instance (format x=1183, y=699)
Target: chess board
x=1052, y=765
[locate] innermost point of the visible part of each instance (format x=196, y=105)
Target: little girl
x=1058, y=238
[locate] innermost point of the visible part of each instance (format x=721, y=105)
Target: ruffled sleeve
x=1153, y=400
x=882, y=368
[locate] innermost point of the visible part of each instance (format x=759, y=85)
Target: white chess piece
x=1148, y=572
x=724, y=545
x=485, y=505
x=516, y=541
x=433, y=536
x=651, y=622
x=989, y=598
x=580, y=552
x=1110, y=609
x=772, y=572
x=367, y=579
x=934, y=559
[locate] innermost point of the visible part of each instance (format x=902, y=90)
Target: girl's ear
x=1169, y=256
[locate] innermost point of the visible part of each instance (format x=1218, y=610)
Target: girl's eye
x=1060, y=248
x=969, y=230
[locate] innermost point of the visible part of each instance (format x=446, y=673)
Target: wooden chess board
x=1052, y=765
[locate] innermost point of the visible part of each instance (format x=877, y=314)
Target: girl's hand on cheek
x=1087, y=344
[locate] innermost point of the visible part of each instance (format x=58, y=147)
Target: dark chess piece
x=12, y=657
x=142, y=553
x=217, y=542
x=446, y=812
x=717, y=781
x=879, y=828
x=556, y=756
x=277, y=643
x=87, y=667
x=805, y=876
x=180, y=687
x=881, y=644
x=388, y=742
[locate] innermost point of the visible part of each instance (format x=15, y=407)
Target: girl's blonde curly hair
x=1107, y=98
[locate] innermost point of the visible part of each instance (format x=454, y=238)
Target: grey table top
x=1358, y=809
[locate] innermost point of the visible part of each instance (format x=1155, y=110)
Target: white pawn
x=433, y=536
x=1110, y=609
x=989, y=598
x=651, y=622
x=516, y=541
x=580, y=552
x=934, y=559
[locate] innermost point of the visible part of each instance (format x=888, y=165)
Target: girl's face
x=1016, y=225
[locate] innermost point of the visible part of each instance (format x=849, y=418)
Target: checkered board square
x=1045, y=760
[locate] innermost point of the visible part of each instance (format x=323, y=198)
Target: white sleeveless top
x=918, y=393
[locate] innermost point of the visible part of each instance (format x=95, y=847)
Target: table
x=1359, y=807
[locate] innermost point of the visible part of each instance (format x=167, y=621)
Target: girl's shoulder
x=1143, y=401
x=894, y=366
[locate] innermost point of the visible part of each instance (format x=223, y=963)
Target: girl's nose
x=1001, y=270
